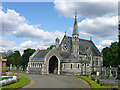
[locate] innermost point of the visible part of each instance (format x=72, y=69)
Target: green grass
x=93, y=84
x=18, y=71
x=23, y=81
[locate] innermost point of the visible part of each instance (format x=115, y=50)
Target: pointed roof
x=75, y=28
x=84, y=45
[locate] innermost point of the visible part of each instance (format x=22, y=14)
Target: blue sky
x=37, y=24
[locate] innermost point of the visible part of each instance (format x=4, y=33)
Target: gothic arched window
x=96, y=61
x=64, y=66
x=80, y=58
x=71, y=66
x=78, y=66
x=89, y=57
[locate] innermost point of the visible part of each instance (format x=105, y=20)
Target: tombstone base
x=3, y=74
x=111, y=77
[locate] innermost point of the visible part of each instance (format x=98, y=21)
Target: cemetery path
x=55, y=81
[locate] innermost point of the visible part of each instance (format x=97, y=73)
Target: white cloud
x=104, y=43
x=29, y=44
x=87, y=8
x=100, y=27
x=100, y=16
x=6, y=44
x=15, y=24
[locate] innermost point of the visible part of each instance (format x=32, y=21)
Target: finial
x=65, y=32
x=90, y=38
x=75, y=13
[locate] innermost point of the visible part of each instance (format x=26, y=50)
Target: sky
x=36, y=24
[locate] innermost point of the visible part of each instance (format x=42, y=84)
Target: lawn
x=18, y=71
x=23, y=81
x=92, y=83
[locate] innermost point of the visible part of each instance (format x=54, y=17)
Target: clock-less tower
x=75, y=39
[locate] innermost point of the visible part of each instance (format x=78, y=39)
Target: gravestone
x=110, y=75
x=4, y=66
x=11, y=67
x=103, y=75
x=15, y=68
x=118, y=72
x=110, y=71
x=97, y=73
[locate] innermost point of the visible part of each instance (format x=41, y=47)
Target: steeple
x=75, y=28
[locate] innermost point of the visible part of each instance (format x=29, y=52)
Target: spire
x=65, y=33
x=75, y=28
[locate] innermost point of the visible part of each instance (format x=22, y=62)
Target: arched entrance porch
x=53, y=65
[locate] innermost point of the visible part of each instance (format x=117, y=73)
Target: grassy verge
x=14, y=71
x=92, y=83
x=23, y=81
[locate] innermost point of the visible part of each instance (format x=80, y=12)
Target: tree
x=14, y=58
x=25, y=57
x=110, y=55
x=51, y=46
x=9, y=52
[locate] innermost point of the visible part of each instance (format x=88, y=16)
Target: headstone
x=118, y=72
x=105, y=72
x=11, y=67
x=103, y=75
x=110, y=71
x=97, y=73
x=115, y=74
x=110, y=75
x=15, y=68
x=4, y=66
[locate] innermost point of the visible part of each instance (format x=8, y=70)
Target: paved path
x=55, y=81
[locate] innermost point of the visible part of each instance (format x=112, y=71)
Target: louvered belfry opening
x=53, y=65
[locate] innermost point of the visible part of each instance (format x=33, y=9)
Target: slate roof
x=68, y=55
x=84, y=45
x=41, y=54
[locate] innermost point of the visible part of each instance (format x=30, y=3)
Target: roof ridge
x=66, y=53
x=45, y=50
x=79, y=38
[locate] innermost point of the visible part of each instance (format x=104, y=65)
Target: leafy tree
x=9, y=52
x=25, y=57
x=110, y=55
x=51, y=46
x=14, y=58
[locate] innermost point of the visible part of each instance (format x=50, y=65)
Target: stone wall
x=75, y=70
x=35, y=70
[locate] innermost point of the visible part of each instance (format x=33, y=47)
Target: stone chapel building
x=73, y=56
